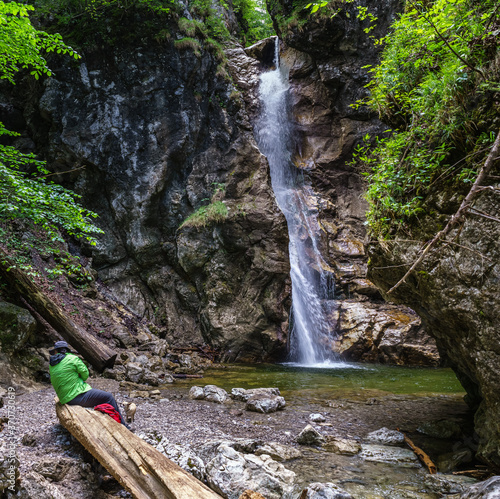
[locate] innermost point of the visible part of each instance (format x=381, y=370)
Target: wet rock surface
x=159, y=135
x=189, y=429
x=455, y=291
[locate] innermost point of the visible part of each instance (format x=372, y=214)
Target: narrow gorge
x=232, y=186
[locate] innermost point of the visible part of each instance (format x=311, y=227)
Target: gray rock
x=404, y=458
x=55, y=469
x=451, y=460
x=35, y=485
x=324, y=491
x=278, y=451
x=341, y=446
x=230, y=473
x=135, y=372
x=448, y=484
x=310, y=436
x=489, y=489
x=384, y=436
x=244, y=395
x=16, y=327
x=215, y=394
x=196, y=393
x=182, y=455
x=265, y=403
x=317, y=418
x=150, y=378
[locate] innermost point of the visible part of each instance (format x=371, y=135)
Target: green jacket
x=67, y=375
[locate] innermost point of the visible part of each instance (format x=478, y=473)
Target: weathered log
x=187, y=376
x=138, y=466
x=92, y=350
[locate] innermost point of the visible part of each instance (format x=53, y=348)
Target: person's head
x=60, y=347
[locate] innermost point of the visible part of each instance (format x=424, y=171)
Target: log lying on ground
x=92, y=350
x=424, y=458
x=138, y=466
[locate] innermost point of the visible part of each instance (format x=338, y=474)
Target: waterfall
x=312, y=325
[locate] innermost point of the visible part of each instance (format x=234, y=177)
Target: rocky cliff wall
x=154, y=133
x=326, y=58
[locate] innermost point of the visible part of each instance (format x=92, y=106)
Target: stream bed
x=356, y=399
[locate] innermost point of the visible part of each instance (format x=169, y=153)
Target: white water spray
x=312, y=335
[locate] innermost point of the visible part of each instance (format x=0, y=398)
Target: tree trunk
x=92, y=350
x=139, y=467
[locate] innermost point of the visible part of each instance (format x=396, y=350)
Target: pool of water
x=335, y=381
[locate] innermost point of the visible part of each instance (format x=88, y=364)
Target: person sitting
x=68, y=375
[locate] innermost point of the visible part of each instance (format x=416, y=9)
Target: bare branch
x=459, y=215
x=480, y=213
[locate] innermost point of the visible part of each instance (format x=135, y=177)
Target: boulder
x=448, y=484
x=384, y=436
x=489, y=489
x=278, y=452
x=442, y=428
x=215, y=394
x=182, y=455
x=54, y=469
x=265, y=403
x=230, y=473
x=135, y=372
x=16, y=327
x=341, y=446
x=243, y=395
x=35, y=485
x=196, y=393
x=310, y=436
x=403, y=458
x=324, y=491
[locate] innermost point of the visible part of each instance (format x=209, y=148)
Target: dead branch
x=475, y=211
x=459, y=215
x=426, y=460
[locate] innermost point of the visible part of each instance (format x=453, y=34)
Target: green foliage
x=24, y=196
x=189, y=43
x=34, y=198
x=21, y=45
x=213, y=17
x=433, y=86
x=93, y=23
x=255, y=21
x=215, y=212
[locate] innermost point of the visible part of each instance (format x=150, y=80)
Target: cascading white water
x=312, y=335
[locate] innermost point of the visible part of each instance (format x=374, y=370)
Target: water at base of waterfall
x=312, y=333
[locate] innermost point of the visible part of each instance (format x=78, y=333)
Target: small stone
x=310, y=436
x=384, y=436
x=341, y=446
x=245, y=395
x=29, y=439
x=317, y=418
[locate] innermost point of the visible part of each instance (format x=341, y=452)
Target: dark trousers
x=95, y=397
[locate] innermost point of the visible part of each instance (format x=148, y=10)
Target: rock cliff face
x=160, y=132
x=325, y=57
x=455, y=291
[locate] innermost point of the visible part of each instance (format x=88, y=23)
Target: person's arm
x=81, y=369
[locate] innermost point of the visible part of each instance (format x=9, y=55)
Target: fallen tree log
x=145, y=472
x=92, y=350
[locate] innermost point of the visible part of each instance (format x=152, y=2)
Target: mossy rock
x=16, y=326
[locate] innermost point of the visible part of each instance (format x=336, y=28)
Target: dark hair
x=62, y=350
